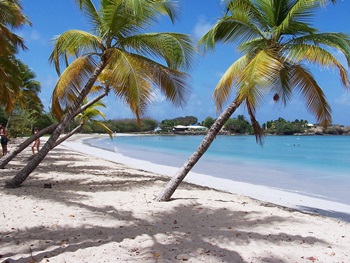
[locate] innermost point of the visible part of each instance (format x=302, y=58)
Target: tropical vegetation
x=116, y=56
x=92, y=115
x=11, y=17
x=277, y=42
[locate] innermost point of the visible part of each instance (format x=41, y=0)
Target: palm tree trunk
x=52, y=127
x=25, y=172
x=8, y=120
x=93, y=101
x=175, y=181
x=71, y=133
x=50, y=143
x=25, y=144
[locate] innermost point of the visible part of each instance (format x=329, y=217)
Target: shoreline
x=78, y=207
x=300, y=202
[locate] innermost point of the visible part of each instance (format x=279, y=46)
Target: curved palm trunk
x=52, y=127
x=25, y=144
x=25, y=172
x=50, y=143
x=175, y=181
x=70, y=134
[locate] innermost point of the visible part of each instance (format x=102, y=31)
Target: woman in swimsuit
x=36, y=143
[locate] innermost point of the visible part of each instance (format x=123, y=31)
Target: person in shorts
x=4, y=139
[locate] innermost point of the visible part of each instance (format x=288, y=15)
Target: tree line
x=23, y=125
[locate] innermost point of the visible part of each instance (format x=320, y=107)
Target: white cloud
x=202, y=27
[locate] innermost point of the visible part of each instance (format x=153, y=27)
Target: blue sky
x=51, y=18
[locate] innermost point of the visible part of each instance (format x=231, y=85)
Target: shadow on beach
x=182, y=229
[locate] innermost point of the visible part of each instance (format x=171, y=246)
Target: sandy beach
x=79, y=205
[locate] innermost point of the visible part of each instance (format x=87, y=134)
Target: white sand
x=102, y=211
x=263, y=193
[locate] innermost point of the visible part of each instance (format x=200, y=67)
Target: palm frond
x=283, y=87
x=176, y=49
x=103, y=126
x=311, y=92
x=223, y=89
x=70, y=83
x=254, y=10
x=118, y=21
x=340, y=41
x=167, y=7
x=11, y=17
x=10, y=82
x=89, y=9
x=252, y=45
x=317, y=55
x=301, y=11
x=235, y=28
x=260, y=74
x=258, y=131
x=90, y=114
x=73, y=43
x=126, y=18
x=133, y=77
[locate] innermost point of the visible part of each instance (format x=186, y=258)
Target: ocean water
x=317, y=166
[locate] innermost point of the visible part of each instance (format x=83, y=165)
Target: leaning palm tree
x=276, y=42
x=103, y=91
x=88, y=115
x=118, y=47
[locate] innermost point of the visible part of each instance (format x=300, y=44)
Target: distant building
x=178, y=128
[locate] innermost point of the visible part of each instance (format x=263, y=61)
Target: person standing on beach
x=4, y=139
x=36, y=143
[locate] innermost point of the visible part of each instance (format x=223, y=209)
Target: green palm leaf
x=257, y=78
x=132, y=78
x=319, y=56
x=224, y=87
x=70, y=83
x=235, y=28
x=74, y=43
x=176, y=49
x=339, y=41
x=316, y=103
x=89, y=9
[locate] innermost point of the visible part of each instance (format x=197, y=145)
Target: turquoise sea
x=317, y=166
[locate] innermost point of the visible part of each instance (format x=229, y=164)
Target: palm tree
x=5, y=160
x=27, y=97
x=120, y=49
x=11, y=17
x=88, y=115
x=276, y=42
